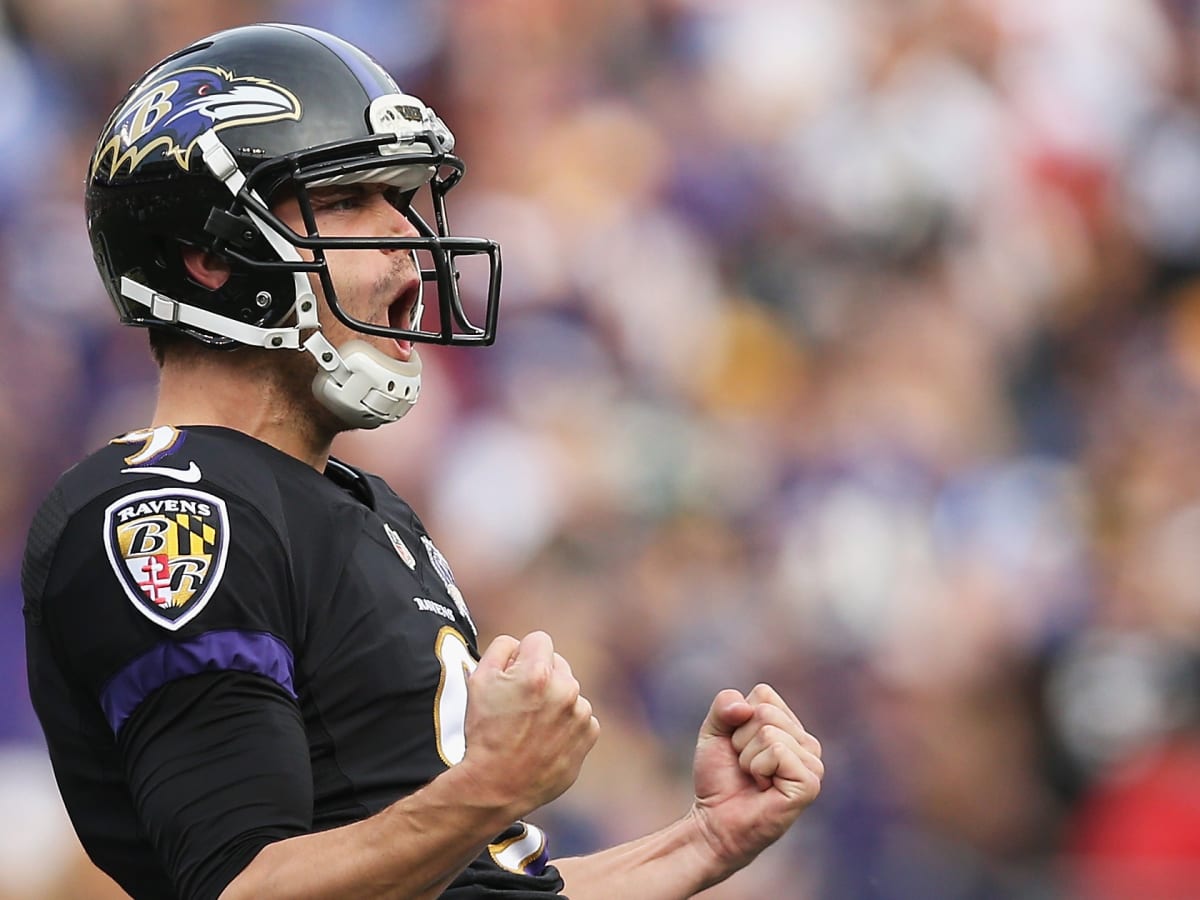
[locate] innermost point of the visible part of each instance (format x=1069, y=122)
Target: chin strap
x=165, y=309
x=362, y=386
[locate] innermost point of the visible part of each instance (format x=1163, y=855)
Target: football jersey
x=228, y=648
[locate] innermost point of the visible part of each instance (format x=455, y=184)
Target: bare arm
x=414, y=848
x=756, y=769
x=528, y=730
x=670, y=863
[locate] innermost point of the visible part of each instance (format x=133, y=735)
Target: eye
x=345, y=201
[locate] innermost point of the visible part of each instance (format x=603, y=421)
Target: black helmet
x=202, y=144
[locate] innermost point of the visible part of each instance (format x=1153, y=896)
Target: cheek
x=360, y=278
x=341, y=266
x=362, y=271
x=343, y=270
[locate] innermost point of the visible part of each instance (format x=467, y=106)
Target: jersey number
x=450, y=712
x=518, y=854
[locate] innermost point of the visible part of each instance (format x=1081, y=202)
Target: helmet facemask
x=418, y=183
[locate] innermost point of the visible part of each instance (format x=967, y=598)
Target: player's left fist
x=775, y=749
x=756, y=769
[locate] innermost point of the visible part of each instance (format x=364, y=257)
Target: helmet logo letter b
x=149, y=112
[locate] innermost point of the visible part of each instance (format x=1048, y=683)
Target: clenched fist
x=528, y=727
x=756, y=769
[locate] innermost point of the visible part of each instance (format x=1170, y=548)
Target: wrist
x=495, y=804
x=712, y=858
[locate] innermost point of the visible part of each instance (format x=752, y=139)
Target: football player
x=255, y=672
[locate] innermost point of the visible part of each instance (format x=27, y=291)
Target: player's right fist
x=528, y=727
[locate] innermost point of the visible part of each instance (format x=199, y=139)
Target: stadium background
x=848, y=344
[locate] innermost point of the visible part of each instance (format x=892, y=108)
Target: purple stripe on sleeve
x=215, y=651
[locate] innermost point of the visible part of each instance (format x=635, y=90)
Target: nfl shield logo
x=168, y=549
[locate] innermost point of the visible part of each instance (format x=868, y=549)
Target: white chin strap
x=362, y=386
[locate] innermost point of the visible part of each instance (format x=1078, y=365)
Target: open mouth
x=400, y=313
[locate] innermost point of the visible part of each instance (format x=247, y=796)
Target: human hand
x=755, y=770
x=528, y=727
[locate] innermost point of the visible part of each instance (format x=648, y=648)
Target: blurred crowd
x=850, y=345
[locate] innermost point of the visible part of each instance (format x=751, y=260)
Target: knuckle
x=762, y=692
x=774, y=715
x=503, y=642
x=539, y=677
x=775, y=735
x=568, y=689
x=766, y=714
x=537, y=644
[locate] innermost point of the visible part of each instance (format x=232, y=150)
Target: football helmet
x=208, y=139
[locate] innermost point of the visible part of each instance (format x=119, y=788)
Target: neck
x=249, y=393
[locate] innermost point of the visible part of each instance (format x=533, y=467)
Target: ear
x=206, y=269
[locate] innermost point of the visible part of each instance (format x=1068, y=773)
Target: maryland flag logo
x=168, y=549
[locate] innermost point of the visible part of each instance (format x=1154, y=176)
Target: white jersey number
x=450, y=719
x=450, y=712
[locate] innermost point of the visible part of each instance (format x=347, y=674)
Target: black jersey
x=227, y=648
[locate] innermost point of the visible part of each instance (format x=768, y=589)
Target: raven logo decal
x=167, y=116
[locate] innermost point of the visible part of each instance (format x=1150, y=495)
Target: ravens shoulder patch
x=168, y=549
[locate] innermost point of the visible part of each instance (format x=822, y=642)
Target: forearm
x=412, y=849
x=669, y=864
